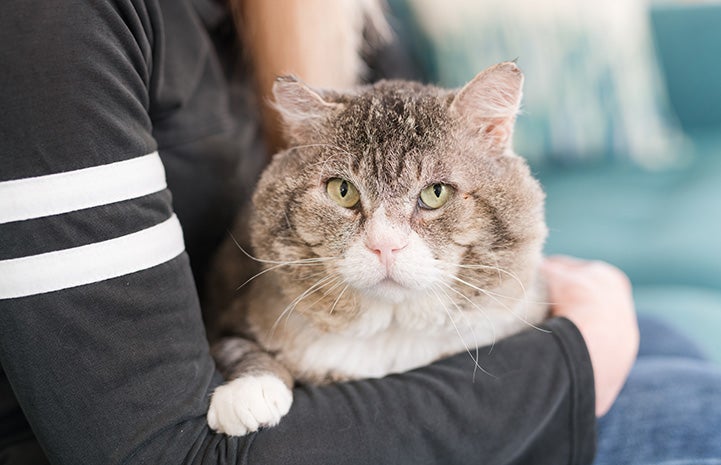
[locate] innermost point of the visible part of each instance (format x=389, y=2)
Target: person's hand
x=597, y=298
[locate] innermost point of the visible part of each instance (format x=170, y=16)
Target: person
x=108, y=107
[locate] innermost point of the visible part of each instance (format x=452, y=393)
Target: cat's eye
x=434, y=196
x=343, y=192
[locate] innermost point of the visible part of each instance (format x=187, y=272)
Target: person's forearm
x=535, y=406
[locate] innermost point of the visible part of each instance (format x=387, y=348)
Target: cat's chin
x=389, y=290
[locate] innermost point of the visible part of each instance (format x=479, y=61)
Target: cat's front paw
x=247, y=403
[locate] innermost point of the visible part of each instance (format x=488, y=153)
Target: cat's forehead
x=393, y=116
x=393, y=130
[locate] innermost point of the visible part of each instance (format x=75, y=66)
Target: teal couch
x=662, y=228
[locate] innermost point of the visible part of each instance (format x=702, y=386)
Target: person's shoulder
x=41, y=39
x=75, y=83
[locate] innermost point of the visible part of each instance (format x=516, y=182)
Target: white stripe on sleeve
x=41, y=196
x=91, y=263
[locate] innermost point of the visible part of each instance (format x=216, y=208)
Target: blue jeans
x=669, y=411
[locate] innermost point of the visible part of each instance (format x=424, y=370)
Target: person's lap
x=668, y=412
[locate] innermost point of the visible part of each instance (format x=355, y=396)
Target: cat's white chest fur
x=393, y=350
x=388, y=339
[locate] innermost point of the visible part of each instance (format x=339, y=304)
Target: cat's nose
x=386, y=250
x=384, y=238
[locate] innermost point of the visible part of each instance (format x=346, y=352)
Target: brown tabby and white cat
x=398, y=228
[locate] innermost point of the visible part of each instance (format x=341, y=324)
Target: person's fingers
x=557, y=271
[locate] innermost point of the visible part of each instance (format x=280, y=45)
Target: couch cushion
x=660, y=227
x=592, y=91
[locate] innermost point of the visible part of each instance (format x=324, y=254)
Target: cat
x=399, y=227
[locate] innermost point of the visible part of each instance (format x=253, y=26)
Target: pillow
x=592, y=89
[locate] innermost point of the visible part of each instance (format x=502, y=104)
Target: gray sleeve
x=534, y=406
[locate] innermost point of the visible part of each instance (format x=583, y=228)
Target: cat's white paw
x=247, y=403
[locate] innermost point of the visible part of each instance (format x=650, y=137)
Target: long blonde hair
x=320, y=41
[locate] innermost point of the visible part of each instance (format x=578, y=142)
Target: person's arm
x=534, y=406
x=100, y=331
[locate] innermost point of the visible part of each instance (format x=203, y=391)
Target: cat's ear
x=491, y=101
x=303, y=110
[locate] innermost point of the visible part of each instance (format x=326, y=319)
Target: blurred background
x=621, y=122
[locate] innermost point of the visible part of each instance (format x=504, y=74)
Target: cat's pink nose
x=386, y=250
x=384, y=238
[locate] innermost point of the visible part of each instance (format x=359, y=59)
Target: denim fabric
x=668, y=413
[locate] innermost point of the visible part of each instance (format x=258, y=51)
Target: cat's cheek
x=416, y=267
x=326, y=226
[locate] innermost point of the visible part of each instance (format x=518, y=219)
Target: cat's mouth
x=390, y=282
x=388, y=289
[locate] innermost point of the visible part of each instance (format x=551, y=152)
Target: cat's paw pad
x=247, y=403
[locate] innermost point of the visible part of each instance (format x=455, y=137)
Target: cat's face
x=400, y=193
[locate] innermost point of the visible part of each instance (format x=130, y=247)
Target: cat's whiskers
x=482, y=290
x=288, y=310
x=336, y=283
x=481, y=310
x=320, y=284
x=469, y=325
x=498, y=269
x=280, y=262
x=477, y=366
x=337, y=299
x=524, y=299
x=306, y=262
x=504, y=305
